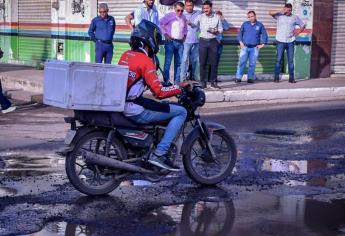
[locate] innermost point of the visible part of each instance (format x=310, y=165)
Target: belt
x=205, y=39
x=177, y=40
x=251, y=46
x=105, y=41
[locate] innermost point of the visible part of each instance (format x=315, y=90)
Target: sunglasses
x=179, y=10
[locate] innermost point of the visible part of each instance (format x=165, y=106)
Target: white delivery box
x=85, y=86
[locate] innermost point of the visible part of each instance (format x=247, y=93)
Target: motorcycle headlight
x=199, y=97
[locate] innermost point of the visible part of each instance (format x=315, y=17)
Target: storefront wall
x=53, y=29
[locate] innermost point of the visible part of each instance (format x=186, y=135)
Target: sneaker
x=10, y=109
x=250, y=81
x=238, y=80
x=162, y=162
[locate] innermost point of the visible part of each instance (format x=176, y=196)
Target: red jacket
x=142, y=67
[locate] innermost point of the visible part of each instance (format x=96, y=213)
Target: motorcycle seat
x=111, y=119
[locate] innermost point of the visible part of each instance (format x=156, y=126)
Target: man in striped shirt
x=210, y=26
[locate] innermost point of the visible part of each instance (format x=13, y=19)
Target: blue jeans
x=177, y=117
x=104, y=51
x=4, y=102
x=173, y=48
x=290, y=49
x=190, y=56
x=245, y=54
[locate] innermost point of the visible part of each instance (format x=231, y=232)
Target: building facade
x=32, y=31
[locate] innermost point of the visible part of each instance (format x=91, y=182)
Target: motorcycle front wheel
x=198, y=161
x=89, y=178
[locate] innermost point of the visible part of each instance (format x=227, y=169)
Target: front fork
x=206, y=137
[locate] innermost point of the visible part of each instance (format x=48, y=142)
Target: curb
x=21, y=84
x=276, y=94
x=34, y=90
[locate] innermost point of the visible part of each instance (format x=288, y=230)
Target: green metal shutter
x=338, y=46
x=34, y=31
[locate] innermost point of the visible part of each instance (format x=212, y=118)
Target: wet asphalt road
x=289, y=180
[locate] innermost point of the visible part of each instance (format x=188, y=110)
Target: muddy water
x=13, y=165
x=30, y=174
x=260, y=215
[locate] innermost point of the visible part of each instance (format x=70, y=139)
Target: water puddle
x=314, y=133
x=300, y=166
x=259, y=214
x=321, y=173
x=7, y=191
x=67, y=229
x=12, y=165
x=275, y=132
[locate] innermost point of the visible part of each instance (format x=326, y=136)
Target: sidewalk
x=26, y=83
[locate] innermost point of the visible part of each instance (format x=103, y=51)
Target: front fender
x=211, y=127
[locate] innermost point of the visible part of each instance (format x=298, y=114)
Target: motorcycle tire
x=78, y=180
x=192, y=169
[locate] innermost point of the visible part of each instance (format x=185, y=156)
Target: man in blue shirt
x=252, y=38
x=101, y=31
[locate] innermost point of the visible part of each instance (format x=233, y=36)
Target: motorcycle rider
x=145, y=40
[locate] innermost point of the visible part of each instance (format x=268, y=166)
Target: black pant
x=208, y=54
x=4, y=102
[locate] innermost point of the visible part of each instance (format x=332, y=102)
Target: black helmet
x=147, y=33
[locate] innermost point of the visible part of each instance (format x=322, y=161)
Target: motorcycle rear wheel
x=89, y=178
x=199, y=164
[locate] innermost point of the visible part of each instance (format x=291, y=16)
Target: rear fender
x=80, y=133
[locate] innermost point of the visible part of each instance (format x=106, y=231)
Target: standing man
x=190, y=55
x=101, y=31
x=147, y=11
x=5, y=104
x=174, y=28
x=286, y=36
x=252, y=38
x=210, y=26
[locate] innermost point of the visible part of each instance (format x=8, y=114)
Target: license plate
x=69, y=136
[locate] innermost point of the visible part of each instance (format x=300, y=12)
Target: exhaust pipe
x=112, y=163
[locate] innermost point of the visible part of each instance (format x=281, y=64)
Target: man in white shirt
x=286, y=36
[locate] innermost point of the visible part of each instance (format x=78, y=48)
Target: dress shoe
x=292, y=81
x=214, y=85
x=250, y=81
x=276, y=81
x=238, y=81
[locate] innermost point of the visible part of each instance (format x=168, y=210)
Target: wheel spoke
x=206, y=172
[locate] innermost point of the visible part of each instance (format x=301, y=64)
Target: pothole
x=276, y=132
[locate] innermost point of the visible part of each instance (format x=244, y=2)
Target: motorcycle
x=106, y=148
